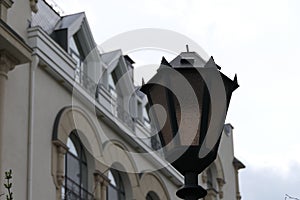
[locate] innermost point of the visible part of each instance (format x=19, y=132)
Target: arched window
x=76, y=171
x=115, y=188
x=112, y=86
x=152, y=196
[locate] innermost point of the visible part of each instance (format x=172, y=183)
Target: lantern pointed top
x=164, y=63
x=143, y=81
x=211, y=63
x=235, y=79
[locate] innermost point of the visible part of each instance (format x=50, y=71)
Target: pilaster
x=61, y=150
x=7, y=63
x=221, y=183
x=101, y=183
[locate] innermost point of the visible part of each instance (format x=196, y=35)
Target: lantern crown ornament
x=188, y=100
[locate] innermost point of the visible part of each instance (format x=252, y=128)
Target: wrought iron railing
x=72, y=191
x=86, y=82
x=155, y=143
x=123, y=115
x=93, y=89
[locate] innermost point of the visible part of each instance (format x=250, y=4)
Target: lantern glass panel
x=190, y=104
x=162, y=120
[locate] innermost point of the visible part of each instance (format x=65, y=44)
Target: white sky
x=257, y=39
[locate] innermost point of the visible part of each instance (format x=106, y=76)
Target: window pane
x=84, y=177
x=112, y=179
x=73, y=46
x=72, y=189
x=71, y=147
x=73, y=168
x=116, y=187
x=112, y=193
x=76, y=173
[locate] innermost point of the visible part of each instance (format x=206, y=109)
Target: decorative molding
x=7, y=63
x=4, y=6
x=6, y=3
x=60, y=172
x=59, y=151
x=97, y=186
x=101, y=177
x=33, y=5
x=221, y=183
x=211, y=194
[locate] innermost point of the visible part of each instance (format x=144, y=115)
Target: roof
x=46, y=17
x=72, y=22
x=129, y=59
x=111, y=58
x=139, y=93
x=191, y=57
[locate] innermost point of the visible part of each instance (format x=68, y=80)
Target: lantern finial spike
x=235, y=79
x=187, y=48
x=143, y=81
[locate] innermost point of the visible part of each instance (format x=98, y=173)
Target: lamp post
x=188, y=101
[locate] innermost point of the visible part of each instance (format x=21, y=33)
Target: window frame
x=82, y=192
x=119, y=186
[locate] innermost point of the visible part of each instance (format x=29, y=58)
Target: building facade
x=72, y=123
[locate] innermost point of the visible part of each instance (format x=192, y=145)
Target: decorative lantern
x=188, y=100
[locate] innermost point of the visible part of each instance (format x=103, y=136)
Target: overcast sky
x=257, y=39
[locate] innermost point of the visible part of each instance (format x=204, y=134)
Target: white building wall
x=51, y=97
x=15, y=129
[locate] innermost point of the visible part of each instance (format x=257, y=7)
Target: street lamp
x=188, y=100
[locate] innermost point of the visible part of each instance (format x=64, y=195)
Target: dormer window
x=112, y=86
x=74, y=51
x=143, y=116
x=146, y=118
x=73, y=34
